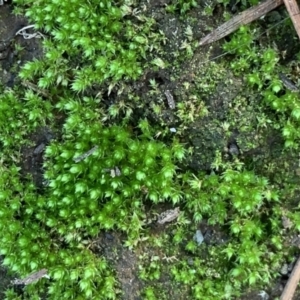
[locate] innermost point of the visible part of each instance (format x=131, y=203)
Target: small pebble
x=284, y=269
x=109, y=236
x=233, y=149
x=288, y=83
x=263, y=295
x=170, y=99
x=198, y=237
x=39, y=149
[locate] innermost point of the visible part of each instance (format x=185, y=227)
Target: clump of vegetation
x=89, y=43
x=107, y=167
x=181, y=6
x=263, y=75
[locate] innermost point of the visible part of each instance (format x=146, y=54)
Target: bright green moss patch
x=120, y=155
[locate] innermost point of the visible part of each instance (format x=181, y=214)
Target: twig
x=288, y=84
x=168, y=216
x=28, y=36
x=170, y=99
x=243, y=18
x=294, y=13
x=35, y=88
x=32, y=277
x=292, y=283
x=85, y=155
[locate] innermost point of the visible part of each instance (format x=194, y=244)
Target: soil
x=15, y=51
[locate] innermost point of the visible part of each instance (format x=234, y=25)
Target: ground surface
x=127, y=263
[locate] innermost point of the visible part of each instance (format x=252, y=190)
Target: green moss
x=115, y=162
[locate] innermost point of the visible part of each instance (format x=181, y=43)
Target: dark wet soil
x=14, y=50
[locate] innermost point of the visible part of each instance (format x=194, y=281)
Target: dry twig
x=27, y=35
x=243, y=18
x=32, y=277
x=294, y=12
x=170, y=99
x=35, y=88
x=292, y=283
x=168, y=216
x=85, y=155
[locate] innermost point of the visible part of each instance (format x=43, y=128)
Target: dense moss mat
x=125, y=117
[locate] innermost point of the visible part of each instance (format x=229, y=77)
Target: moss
x=108, y=90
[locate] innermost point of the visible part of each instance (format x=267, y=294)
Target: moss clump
x=115, y=161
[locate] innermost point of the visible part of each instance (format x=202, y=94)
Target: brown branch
x=35, y=88
x=243, y=18
x=31, y=278
x=292, y=283
x=85, y=155
x=294, y=12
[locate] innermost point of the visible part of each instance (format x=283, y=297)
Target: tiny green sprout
x=159, y=63
x=145, y=127
x=18, y=48
x=149, y=294
x=189, y=33
x=208, y=10
x=153, y=84
x=191, y=246
x=188, y=48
